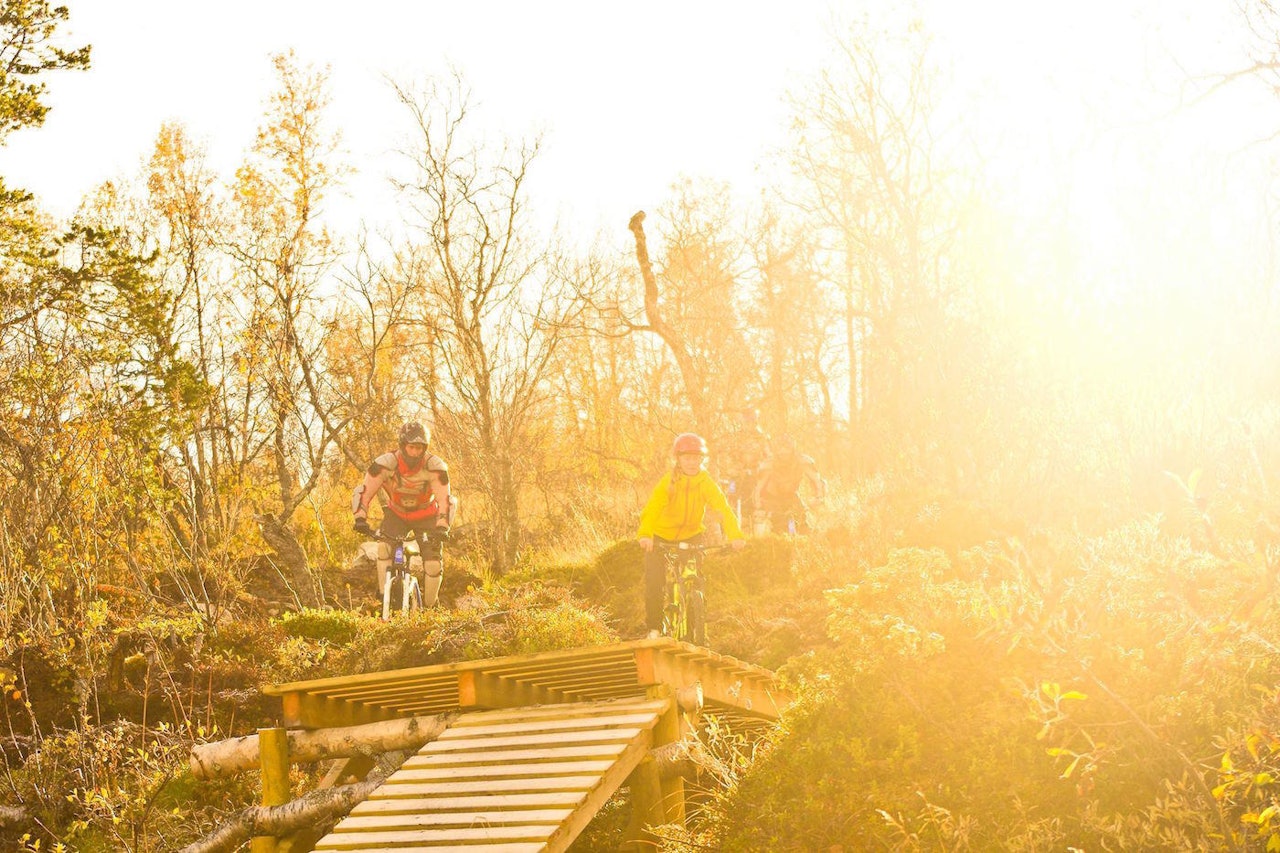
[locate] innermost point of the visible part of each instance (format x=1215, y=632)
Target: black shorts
x=432, y=546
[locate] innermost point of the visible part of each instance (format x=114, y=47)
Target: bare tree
x=867, y=155
x=282, y=256
x=493, y=307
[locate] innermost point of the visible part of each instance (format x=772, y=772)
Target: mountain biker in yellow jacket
x=674, y=513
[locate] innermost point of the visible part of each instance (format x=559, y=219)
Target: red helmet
x=688, y=442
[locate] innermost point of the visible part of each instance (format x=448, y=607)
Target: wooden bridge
x=539, y=744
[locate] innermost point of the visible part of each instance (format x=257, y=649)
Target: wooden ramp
x=540, y=743
x=506, y=781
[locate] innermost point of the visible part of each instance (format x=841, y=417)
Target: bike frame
x=684, y=613
x=401, y=590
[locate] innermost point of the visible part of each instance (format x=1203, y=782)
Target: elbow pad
x=357, y=498
x=444, y=477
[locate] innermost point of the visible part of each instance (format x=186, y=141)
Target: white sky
x=630, y=96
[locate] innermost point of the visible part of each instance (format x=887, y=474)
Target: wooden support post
x=646, y=807
x=274, y=755
x=669, y=729
x=655, y=800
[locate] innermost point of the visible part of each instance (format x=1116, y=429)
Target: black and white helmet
x=414, y=433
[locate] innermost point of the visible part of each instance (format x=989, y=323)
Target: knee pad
x=438, y=565
x=384, y=551
x=433, y=549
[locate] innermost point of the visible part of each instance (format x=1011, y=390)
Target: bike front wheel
x=412, y=597
x=392, y=595
x=696, y=618
x=673, y=615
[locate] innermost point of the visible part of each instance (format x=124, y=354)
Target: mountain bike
x=684, y=616
x=402, y=591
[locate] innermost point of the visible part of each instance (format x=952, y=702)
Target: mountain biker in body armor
x=416, y=486
x=674, y=513
x=777, y=494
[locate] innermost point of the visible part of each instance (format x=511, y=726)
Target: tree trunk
x=672, y=338
x=308, y=812
x=236, y=755
x=292, y=557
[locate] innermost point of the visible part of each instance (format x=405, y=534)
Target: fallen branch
x=237, y=755
x=306, y=812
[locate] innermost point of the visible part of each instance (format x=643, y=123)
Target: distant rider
x=674, y=514
x=777, y=494
x=416, y=498
x=738, y=459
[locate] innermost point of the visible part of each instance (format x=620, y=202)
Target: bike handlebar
x=377, y=535
x=687, y=546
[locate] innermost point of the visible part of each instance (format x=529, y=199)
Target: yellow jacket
x=675, y=513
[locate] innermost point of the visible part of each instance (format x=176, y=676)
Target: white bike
x=402, y=592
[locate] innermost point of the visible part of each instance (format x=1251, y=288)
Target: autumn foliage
x=1039, y=607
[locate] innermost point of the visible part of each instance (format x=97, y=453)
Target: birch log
x=312, y=810
x=236, y=755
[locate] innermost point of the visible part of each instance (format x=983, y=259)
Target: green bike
x=684, y=615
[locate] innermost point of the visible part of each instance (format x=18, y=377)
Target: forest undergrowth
x=1044, y=689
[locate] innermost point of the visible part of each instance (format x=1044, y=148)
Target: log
x=686, y=758
x=236, y=755
x=312, y=810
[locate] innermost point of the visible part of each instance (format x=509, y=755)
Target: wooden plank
x=604, y=788
x=491, y=664
x=486, y=690
x=497, y=771
x=424, y=683
x=514, y=663
x=533, y=740
x=580, y=685
x=719, y=687
x=303, y=710
x=566, y=710
x=585, y=698
x=462, y=759
x=549, y=724
x=611, y=663
x=362, y=823
x=558, y=783
x=489, y=802
x=347, y=840
x=499, y=847
x=527, y=664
